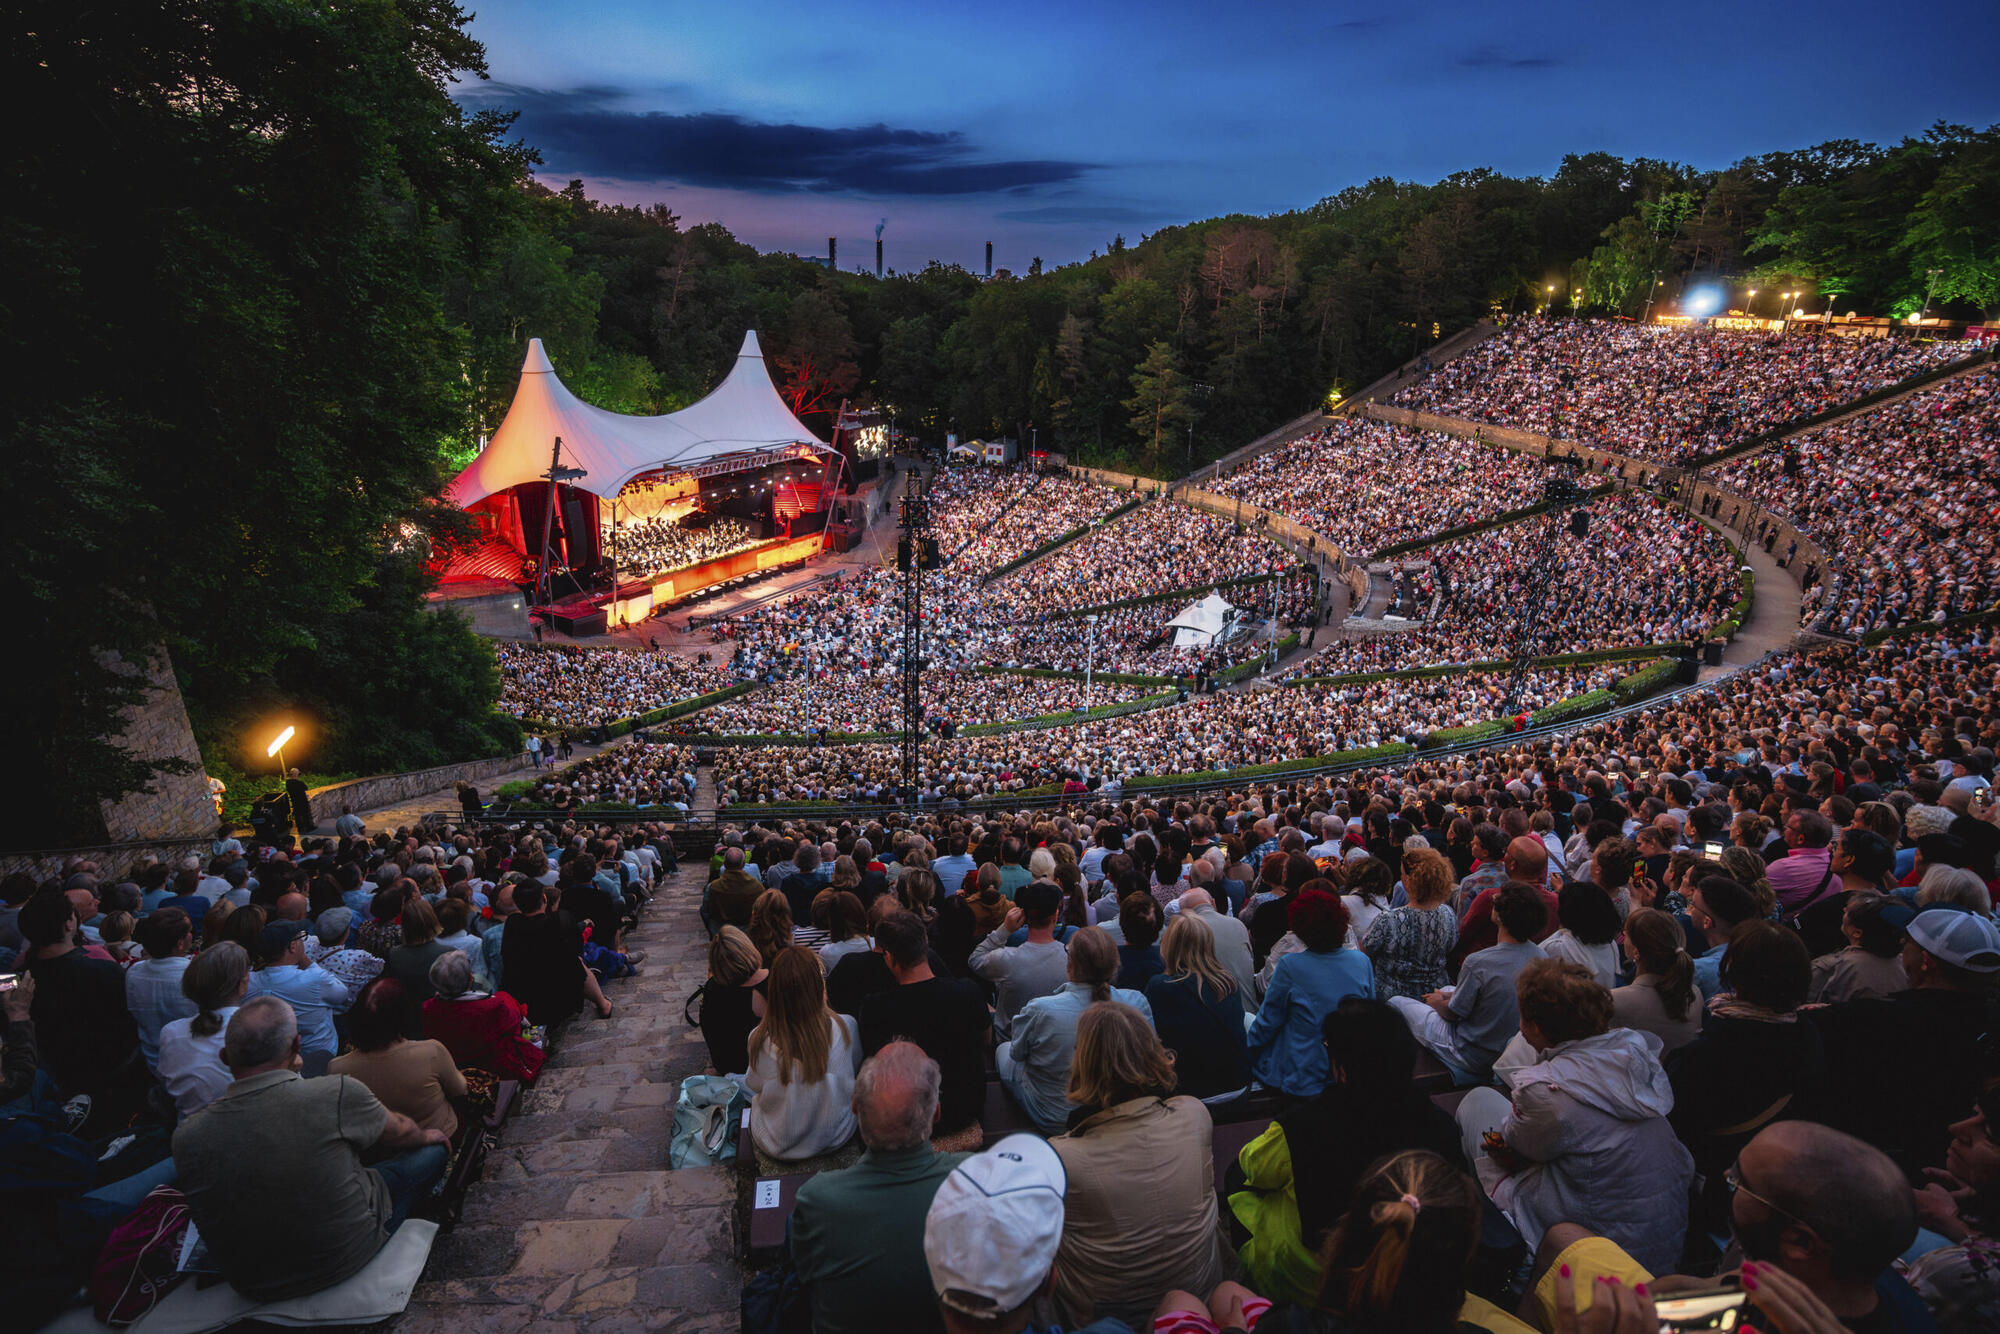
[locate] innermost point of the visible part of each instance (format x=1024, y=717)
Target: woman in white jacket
x=1585, y=1138
x=803, y=1058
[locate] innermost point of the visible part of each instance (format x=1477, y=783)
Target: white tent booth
x=1203, y=623
x=635, y=469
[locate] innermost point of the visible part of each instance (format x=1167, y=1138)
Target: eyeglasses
x=1733, y=1177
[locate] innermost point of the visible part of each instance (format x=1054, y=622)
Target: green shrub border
x=1468, y=529
x=1042, y=721
x=1231, y=675
x=1036, y=553
x=1653, y=677
x=1241, y=581
x=1465, y=668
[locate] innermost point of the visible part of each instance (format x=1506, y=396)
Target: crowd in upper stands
x=640, y=774
x=980, y=526
x=1210, y=732
x=1161, y=547
x=1657, y=392
x=570, y=687
x=1902, y=499
x=1364, y=485
x=303, y=1040
x=653, y=546
x=871, y=700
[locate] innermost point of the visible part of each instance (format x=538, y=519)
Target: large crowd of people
x=571, y=688
x=647, y=547
x=1209, y=732
x=1364, y=485
x=1657, y=392
x=858, y=701
x=1646, y=573
x=1160, y=547
x=299, y=1040
x=641, y=774
x=1902, y=499
x=985, y=517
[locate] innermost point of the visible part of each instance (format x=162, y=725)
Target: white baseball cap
x=990, y=1237
x=1962, y=939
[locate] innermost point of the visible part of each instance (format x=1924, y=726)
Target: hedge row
x=699, y=702
x=1231, y=675
x=1468, y=529
x=1908, y=628
x=1494, y=665
x=1645, y=681
x=1358, y=755
x=1242, y=581
x=1115, y=678
x=1451, y=736
x=1593, y=702
x=1036, y=553
x=1064, y=719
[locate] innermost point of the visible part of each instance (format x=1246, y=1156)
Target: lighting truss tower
x=915, y=553
x=1561, y=491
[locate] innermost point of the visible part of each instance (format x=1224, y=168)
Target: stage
x=637, y=599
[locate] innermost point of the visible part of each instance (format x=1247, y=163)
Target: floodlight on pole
x=277, y=745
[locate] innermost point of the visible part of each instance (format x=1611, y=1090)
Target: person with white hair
x=1954, y=887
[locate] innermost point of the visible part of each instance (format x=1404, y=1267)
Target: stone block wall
x=367, y=794
x=176, y=805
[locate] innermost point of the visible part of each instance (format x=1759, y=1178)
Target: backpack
x=140, y=1262
x=706, y=1117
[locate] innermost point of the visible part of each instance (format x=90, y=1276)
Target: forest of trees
x=268, y=285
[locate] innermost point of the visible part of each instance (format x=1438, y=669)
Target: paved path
x=446, y=798
x=1774, y=616
x=578, y=1227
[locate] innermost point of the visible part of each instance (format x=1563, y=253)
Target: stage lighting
x=1703, y=301
x=271, y=751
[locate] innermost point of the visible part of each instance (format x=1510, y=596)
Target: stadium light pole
x=1928, y=293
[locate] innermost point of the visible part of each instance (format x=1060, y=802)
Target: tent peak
x=751, y=349
x=537, y=362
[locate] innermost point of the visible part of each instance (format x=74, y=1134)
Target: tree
x=1952, y=228
x=815, y=360
x=1160, y=400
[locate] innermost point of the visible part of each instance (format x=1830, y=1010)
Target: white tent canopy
x=743, y=417
x=1200, y=623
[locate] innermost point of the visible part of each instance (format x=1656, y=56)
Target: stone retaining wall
x=367, y=794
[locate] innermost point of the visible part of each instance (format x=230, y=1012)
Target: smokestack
x=878, y=246
x=989, y=259
x=833, y=253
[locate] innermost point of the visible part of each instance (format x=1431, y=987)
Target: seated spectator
x=1716, y=908
x=731, y=894
x=1035, y=1064
x=839, y=913
x=1286, y=1049
x=858, y=1234
x=1661, y=998
x=1469, y=1025
x=87, y=1040
x=1231, y=937
x=990, y=1239
x=542, y=959
x=1752, y=1062
x=1028, y=971
x=409, y=963
x=153, y=984
x=1954, y=887
x=214, y=983
x=1900, y=1070
x=481, y=1029
x=1140, y=1214
x=1588, y=934
x=1960, y=1281
x=1200, y=1019
x=945, y=1016
x=1871, y=964
x=1300, y=1173
x=418, y=1079
x=327, y=946
x=1409, y=945
x=1526, y=862
x=803, y=1057
x=1139, y=959
x=771, y=924
x=273, y=1143
x=1585, y=1137
x=314, y=994
x=383, y=930
x=732, y=1000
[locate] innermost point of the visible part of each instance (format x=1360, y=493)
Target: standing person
x=534, y=743
x=299, y=804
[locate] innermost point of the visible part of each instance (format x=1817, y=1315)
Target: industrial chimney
x=833, y=254
x=878, y=246
x=989, y=259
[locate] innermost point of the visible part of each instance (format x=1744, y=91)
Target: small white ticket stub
x=767, y=1194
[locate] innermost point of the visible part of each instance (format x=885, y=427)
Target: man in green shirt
x=858, y=1234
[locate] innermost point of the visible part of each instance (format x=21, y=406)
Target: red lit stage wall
x=576, y=526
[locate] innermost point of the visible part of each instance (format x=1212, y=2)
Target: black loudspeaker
x=1579, y=524
x=930, y=557
x=580, y=626
x=1690, y=671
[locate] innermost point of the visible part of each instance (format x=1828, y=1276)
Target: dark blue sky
x=1048, y=127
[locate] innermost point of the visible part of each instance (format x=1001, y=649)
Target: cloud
x=586, y=131
x=1486, y=57
x=1064, y=213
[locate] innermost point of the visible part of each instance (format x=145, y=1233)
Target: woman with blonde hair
x=1197, y=1011
x=771, y=924
x=732, y=999
x=1747, y=869
x=917, y=891
x=803, y=1059
x=846, y=875
x=1140, y=1212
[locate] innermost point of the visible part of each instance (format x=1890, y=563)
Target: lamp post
x=1090, y=665
x=1652, y=294
x=1750, y=303
x=277, y=750
x=1785, y=300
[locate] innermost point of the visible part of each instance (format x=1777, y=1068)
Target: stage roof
x=743, y=424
